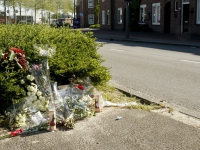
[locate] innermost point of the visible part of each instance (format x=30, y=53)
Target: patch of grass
x=115, y=95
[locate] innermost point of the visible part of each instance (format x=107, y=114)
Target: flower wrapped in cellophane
x=40, y=72
x=45, y=50
x=16, y=56
x=78, y=98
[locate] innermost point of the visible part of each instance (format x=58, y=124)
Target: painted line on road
x=190, y=61
x=117, y=50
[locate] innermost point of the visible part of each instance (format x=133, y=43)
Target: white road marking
x=190, y=61
x=117, y=50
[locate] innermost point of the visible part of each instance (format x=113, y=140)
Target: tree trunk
x=35, y=15
x=20, y=13
x=5, y=10
x=14, y=15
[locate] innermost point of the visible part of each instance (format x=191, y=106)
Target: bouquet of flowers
x=16, y=56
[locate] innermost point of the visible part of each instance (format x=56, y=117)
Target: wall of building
x=148, y=20
x=106, y=5
x=194, y=28
x=173, y=25
x=175, y=17
x=120, y=4
x=83, y=11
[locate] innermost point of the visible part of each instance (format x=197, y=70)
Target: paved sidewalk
x=148, y=37
x=136, y=130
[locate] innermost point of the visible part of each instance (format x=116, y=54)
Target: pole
x=74, y=8
x=127, y=20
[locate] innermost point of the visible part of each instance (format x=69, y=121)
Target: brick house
x=171, y=16
x=85, y=10
x=163, y=16
x=112, y=15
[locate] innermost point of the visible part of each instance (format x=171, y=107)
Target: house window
x=156, y=14
x=90, y=3
x=119, y=15
x=175, y=6
x=198, y=12
x=90, y=19
x=103, y=17
x=108, y=20
x=103, y=0
x=142, y=12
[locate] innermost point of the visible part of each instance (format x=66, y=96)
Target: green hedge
x=76, y=54
x=94, y=26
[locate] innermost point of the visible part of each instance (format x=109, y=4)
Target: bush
x=76, y=54
x=94, y=26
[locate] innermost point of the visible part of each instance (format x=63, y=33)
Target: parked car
x=60, y=24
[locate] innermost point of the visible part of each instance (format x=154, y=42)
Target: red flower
x=20, y=56
x=17, y=50
x=80, y=87
x=5, y=55
x=17, y=132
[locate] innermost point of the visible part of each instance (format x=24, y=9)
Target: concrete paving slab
x=135, y=130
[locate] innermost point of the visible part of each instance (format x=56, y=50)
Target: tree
x=97, y=11
x=5, y=10
x=55, y=6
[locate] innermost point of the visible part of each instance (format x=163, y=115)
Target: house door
x=112, y=15
x=185, y=20
x=167, y=17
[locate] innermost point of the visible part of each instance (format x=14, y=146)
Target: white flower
x=34, y=98
x=28, y=88
x=29, y=93
x=47, y=103
x=34, y=85
x=22, y=81
x=30, y=77
x=33, y=93
x=39, y=93
x=17, y=118
x=40, y=97
x=46, y=106
x=23, y=118
x=32, y=88
x=19, y=115
x=35, y=90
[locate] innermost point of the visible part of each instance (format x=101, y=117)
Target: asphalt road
x=159, y=73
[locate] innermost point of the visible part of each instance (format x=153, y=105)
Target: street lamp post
x=74, y=8
x=127, y=20
x=127, y=17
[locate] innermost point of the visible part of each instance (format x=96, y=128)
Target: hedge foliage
x=94, y=26
x=76, y=54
